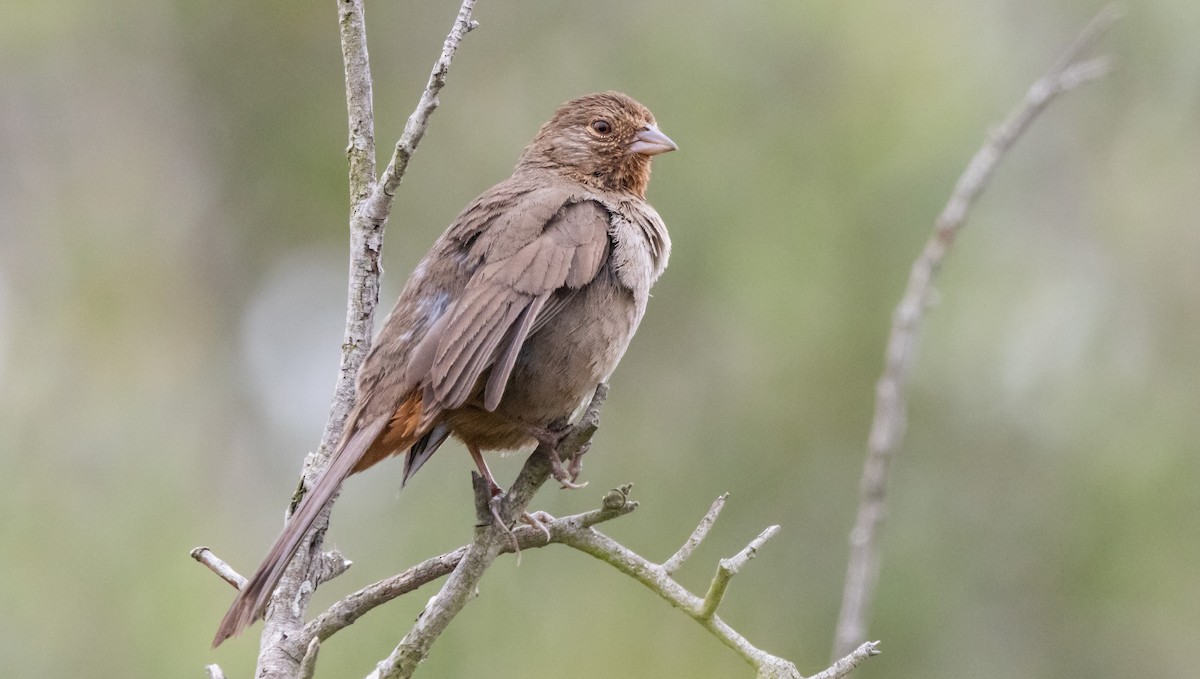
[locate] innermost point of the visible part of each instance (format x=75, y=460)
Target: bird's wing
x=422, y=450
x=506, y=298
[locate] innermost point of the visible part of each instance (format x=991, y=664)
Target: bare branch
x=676, y=561
x=308, y=567
x=347, y=611
x=845, y=665
x=490, y=541
x=727, y=568
x=378, y=206
x=1084, y=72
x=214, y=671
x=360, y=152
x=205, y=556
x=308, y=664
x=890, y=420
x=330, y=565
x=575, y=531
x=658, y=580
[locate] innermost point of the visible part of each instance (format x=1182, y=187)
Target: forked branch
x=310, y=566
x=658, y=578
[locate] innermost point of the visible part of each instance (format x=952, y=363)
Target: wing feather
x=505, y=302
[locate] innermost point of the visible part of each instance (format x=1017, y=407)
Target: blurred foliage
x=172, y=246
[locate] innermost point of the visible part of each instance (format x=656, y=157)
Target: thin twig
x=853, y=659
x=330, y=565
x=308, y=664
x=890, y=420
x=654, y=577
x=727, y=568
x=710, y=517
x=490, y=541
x=205, y=556
x=376, y=208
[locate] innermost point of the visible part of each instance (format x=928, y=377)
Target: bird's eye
x=601, y=126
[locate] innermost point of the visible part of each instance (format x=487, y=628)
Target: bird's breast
x=641, y=245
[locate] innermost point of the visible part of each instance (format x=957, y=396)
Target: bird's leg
x=495, y=490
x=536, y=519
x=486, y=473
x=552, y=438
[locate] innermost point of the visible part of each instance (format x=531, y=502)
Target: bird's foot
x=565, y=473
x=568, y=473
x=497, y=520
x=538, y=520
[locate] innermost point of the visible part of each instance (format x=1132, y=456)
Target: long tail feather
x=252, y=599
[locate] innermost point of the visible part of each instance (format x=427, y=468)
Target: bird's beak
x=651, y=142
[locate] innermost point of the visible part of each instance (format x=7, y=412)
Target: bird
x=518, y=311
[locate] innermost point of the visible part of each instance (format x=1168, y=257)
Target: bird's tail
x=252, y=599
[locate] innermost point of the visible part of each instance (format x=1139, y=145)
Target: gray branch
x=467, y=564
x=659, y=580
x=890, y=420
x=727, y=568
x=360, y=152
x=710, y=518
x=347, y=611
x=223, y=570
x=371, y=205
x=308, y=664
x=489, y=542
x=377, y=207
x=852, y=659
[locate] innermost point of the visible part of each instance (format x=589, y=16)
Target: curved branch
x=890, y=420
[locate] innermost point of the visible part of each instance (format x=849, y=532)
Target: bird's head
x=603, y=140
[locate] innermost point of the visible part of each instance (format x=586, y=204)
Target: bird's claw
x=494, y=507
x=566, y=474
x=538, y=520
x=575, y=462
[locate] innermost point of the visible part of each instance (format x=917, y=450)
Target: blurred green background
x=172, y=269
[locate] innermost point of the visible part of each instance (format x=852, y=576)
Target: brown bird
x=519, y=310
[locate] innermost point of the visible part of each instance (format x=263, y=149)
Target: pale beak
x=651, y=142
